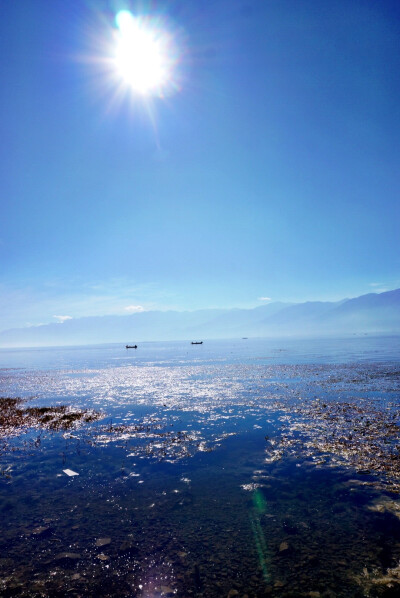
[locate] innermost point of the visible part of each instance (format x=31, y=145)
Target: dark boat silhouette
x=131, y=346
x=197, y=342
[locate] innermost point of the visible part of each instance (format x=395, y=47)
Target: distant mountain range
x=372, y=313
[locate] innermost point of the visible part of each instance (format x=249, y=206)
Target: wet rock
x=167, y=591
x=233, y=593
x=103, y=542
x=314, y=594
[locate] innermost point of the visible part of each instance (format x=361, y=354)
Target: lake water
x=233, y=468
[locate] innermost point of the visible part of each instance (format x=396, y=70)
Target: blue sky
x=271, y=173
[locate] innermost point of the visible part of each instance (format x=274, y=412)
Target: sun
x=143, y=57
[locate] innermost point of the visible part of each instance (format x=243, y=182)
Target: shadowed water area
x=243, y=468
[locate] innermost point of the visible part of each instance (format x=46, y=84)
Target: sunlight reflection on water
x=205, y=473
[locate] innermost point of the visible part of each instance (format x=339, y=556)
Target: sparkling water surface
x=234, y=468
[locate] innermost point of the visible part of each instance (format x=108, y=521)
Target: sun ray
x=144, y=56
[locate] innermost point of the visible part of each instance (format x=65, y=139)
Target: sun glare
x=143, y=54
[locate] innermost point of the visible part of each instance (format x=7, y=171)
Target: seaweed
x=15, y=419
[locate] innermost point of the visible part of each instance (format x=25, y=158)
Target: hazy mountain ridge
x=371, y=313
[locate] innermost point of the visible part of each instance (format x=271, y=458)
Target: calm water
x=242, y=468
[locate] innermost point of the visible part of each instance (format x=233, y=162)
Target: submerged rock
x=67, y=556
x=103, y=542
x=41, y=531
x=103, y=557
x=284, y=547
x=127, y=547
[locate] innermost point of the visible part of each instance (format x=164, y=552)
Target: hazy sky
x=273, y=172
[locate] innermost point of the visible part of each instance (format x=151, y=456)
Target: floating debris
x=70, y=472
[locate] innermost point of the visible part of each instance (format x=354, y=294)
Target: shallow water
x=248, y=467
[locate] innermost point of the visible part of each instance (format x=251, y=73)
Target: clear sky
x=272, y=172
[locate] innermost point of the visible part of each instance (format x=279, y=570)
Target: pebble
x=283, y=547
x=103, y=557
x=167, y=591
x=40, y=531
x=127, y=546
x=103, y=542
x=67, y=556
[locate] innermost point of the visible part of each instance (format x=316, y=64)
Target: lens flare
x=144, y=56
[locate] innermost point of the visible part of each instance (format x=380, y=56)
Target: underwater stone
x=40, y=531
x=67, y=556
x=103, y=542
x=283, y=547
x=126, y=547
x=103, y=557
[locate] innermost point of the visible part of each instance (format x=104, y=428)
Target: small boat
x=131, y=346
x=197, y=342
